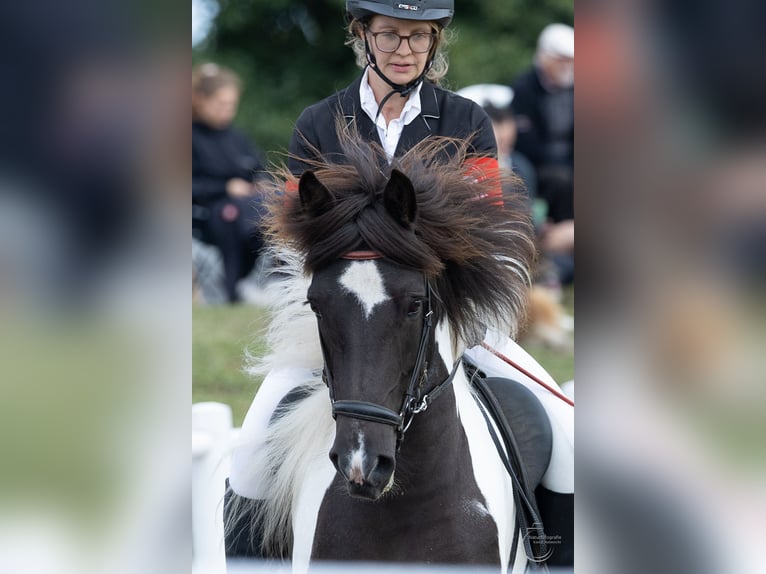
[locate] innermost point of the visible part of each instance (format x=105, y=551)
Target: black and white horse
x=382, y=450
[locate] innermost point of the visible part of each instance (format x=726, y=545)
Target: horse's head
x=374, y=318
x=372, y=315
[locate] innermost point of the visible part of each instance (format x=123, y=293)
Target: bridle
x=415, y=401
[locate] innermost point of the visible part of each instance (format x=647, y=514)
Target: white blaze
x=358, y=456
x=363, y=280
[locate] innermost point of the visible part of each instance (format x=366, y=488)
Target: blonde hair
x=438, y=53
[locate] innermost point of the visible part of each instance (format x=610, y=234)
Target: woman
x=396, y=102
x=224, y=166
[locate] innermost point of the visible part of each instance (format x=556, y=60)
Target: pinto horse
x=382, y=451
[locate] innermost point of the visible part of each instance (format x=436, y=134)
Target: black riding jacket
x=443, y=113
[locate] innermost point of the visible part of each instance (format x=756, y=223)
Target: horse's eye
x=414, y=308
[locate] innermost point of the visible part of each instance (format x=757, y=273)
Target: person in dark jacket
x=226, y=167
x=543, y=104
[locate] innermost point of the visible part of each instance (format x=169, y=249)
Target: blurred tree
x=291, y=53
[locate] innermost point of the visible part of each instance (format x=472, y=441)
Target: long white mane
x=303, y=430
x=292, y=333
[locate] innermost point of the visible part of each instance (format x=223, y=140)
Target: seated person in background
x=225, y=169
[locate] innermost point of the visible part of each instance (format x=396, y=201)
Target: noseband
x=414, y=401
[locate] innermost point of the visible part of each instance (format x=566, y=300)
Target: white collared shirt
x=389, y=134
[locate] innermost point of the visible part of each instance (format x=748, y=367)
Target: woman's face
x=217, y=110
x=403, y=65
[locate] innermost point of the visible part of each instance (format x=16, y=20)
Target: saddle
x=524, y=440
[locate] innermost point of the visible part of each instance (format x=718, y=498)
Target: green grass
x=559, y=364
x=220, y=336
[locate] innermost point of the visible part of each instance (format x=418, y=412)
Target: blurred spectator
x=557, y=246
x=556, y=239
x=543, y=105
x=496, y=100
x=226, y=168
x=544, y=108
x=545, y=314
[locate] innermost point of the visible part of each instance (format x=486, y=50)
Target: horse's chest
x=440, y=528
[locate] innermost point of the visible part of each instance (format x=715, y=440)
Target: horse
x=382, y=451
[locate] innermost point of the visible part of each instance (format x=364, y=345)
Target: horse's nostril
x=334, y=459
x=384, y=466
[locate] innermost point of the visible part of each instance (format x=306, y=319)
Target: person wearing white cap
x=543, y=105
x=555, y=55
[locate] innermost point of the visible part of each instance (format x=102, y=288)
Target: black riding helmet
x=439, y=11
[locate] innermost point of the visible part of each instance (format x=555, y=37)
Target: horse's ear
x=399, y=198
x=315, y=198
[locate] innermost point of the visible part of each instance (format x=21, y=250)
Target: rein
x=414, y=401
x=518, y=367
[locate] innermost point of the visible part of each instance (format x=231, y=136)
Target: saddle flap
x=530, y=433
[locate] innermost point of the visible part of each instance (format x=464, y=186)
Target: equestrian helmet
x=439, y=11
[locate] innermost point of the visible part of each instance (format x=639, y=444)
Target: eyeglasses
x=389, y=41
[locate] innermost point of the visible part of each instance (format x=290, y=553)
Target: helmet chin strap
x=403, y=90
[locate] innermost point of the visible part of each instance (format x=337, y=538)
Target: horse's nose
x=351, y=466
x=347, y=466
x=363, y=454
x=360, y=472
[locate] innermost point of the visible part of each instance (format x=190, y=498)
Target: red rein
x=499, y=355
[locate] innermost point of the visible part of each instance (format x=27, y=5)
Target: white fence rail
x=211, y=436
x=261, y=567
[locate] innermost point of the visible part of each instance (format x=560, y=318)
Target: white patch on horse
x=489, y=473
x=317, y=479
x=356, y=465
x=363, y=280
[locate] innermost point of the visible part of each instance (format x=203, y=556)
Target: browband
x=362, y=255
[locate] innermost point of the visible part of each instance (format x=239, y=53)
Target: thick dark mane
x=476, y=251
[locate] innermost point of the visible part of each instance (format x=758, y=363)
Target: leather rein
x=414, y=400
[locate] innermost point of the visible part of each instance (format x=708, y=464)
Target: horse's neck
x=436, y=436
x=433, y=438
